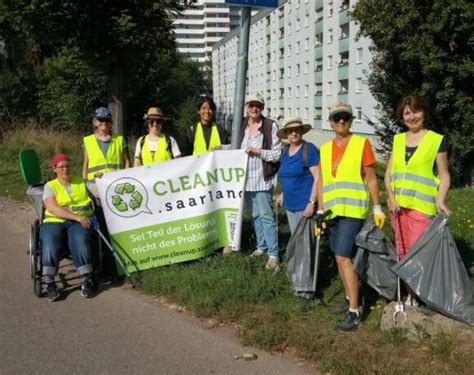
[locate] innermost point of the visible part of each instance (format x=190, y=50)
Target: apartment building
x=303, y=57
x=203, y=23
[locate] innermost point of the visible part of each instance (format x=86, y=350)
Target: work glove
x=320, y=224
x=379, y=216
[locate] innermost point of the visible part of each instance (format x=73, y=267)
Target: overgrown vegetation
x=424, y=47
x=58, y=63
x=240, y=290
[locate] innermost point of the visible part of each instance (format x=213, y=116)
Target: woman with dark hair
x=415, y=192
x=206, y=135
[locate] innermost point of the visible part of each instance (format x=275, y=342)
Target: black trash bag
x=374, y=259
x=300, y=258
x=434, y=270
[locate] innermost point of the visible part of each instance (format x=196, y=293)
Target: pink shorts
x=412, y=225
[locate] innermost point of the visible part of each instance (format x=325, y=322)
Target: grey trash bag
x=434, y=270
x=374, y=259
x=300, y=258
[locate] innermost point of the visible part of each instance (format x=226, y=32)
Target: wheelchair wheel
x=38, y=287
x=33, y=251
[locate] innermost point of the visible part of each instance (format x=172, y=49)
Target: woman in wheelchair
x=67, y=212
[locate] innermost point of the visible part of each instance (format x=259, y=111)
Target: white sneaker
x=273, y=263
x=257, y=253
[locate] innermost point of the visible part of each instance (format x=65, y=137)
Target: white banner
x=175, y=211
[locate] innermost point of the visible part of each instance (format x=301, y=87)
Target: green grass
x=237, y=289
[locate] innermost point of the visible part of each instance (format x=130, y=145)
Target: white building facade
x=203, y=23
x=303, y=57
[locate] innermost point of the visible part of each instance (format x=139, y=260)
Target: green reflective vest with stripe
x=100, y=163
x=345, y=194
x=414, y=184
x=162, y=152
x=77, y=202
x=199, y=146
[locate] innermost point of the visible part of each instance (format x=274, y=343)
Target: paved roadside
x=119, y=332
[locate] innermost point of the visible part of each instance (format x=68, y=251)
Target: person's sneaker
x=273, y=263
x=88, y=288
x=257, y=253
x=52, y=291
x=350, y=323
x=342, y=308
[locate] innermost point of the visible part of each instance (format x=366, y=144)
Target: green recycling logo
x=127, y=197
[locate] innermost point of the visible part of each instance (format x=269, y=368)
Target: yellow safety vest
x=414, y=184
x=78, y=202
x=200, y=143
x=97, y=161
x=346, y=194
x=162, y=152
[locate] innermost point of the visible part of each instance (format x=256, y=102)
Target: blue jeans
x=79, y=240
x=261, y=206
x=294, y=218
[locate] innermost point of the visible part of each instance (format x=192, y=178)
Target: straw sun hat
x=292, y=122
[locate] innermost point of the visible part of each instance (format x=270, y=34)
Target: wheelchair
x=31, y=173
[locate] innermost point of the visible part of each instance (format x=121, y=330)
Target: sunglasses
x=153, y=121
x=106, y=120
x=341, y=116
x=255, y=105
x=292, y=130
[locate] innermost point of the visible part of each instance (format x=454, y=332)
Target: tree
x=117, y=37
x=424, y=47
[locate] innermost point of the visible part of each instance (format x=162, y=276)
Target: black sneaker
x=342, y=308
x=350, y=323
x=52, y=291
x=88, y=288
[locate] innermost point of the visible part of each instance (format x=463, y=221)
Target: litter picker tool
x=321, y=226
x=95, y=224
x=399, y=307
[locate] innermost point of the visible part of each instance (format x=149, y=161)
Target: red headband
x=58, y=158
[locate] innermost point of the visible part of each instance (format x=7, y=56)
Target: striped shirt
x=255, y=180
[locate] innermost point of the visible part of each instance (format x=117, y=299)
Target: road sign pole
x=241, y=75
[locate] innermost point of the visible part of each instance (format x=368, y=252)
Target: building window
x=297, y=92
x=359, y=55
x=329, y=88
x=297, y=24
x=289, y=71
x=319, y=89
x=358, y=113
x=306, y=20
x=358, y=85
x=282, y=93
x=329, y=62
x=306, y=44
x=319, y=14
x=343, y=86
x=306, y=113
x=318, y=65
x=289, y=92
x=298, y=70
x=344, y=59
x=289, y=49
x=297, y=47
x=344, y=31
x=288, y=29
x=306, y=91
x=330, y=36
x=306, y=67
x=318, y=40
x=318, y=113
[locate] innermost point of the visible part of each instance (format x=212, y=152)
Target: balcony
x=343, y=72
x=318, y=52
x=343, y=45
x=318, y=77
x=343, y=17
x=319, y=27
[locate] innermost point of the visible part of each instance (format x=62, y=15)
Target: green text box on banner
x=175, y=241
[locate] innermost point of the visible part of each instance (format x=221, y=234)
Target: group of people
x=339, y=177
